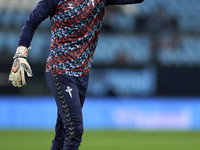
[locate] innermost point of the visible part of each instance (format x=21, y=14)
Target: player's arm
x=121, y=2
x=43, y=9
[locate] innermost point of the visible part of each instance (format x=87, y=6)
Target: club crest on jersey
x=69, y=90
x=70, y=5
x=91, y=1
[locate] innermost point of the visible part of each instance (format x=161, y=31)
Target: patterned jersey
x=75, y=30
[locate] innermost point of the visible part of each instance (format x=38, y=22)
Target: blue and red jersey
x=75, y=28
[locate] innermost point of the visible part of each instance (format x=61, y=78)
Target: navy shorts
x=69, y=93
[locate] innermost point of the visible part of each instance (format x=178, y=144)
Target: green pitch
x=105, y=140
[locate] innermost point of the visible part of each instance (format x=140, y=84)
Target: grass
x=105, y=140
x=25, y=140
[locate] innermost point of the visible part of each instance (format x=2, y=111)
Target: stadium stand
x=155, y=33
x=137, y=47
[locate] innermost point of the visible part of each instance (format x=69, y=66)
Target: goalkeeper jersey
x=75, y=28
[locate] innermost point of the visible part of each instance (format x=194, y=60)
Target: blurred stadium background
x=145, y=76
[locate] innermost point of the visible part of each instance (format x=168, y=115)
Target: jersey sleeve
x=43, y=10
x=121, y=2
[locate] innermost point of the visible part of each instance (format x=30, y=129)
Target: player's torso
x=76, y=26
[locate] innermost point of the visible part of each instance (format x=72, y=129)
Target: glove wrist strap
x=21, y=52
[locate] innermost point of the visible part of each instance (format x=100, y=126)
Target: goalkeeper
x=75, y=28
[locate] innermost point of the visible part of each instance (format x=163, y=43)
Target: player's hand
x=20, y=65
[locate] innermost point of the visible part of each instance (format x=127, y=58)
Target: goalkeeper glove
x=20, y=64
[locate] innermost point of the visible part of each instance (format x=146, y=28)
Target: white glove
x=20, y=64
